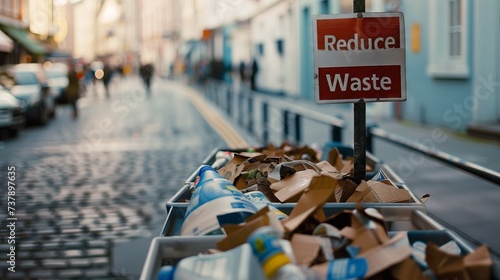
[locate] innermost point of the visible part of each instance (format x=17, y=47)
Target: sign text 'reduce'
x=359, y=58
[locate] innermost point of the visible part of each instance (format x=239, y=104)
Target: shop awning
x=6, y=43
x=23, y=37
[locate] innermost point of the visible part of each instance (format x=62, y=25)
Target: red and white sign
x=359, y=58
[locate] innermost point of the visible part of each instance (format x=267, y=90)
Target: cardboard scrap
x=318, y=192
x=335, y=159
x=330, y=170
x=425, y=197
x=365, y=232
x=379, y=191
x=360, y=192
x=348, y=188
x=392, y=252
x=309, y=248
x=292, y=187
x=408, y=270
x=237, y=235
x=294, y=152
x=388, y=194
x=476, y=265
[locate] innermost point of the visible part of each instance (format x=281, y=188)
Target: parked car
x=57, y=75
x=11, y=115
x=28, y=83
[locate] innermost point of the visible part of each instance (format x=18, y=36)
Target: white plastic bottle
x=238, y=263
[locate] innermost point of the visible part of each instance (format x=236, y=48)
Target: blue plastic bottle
x=166, y=272
x=206, y=173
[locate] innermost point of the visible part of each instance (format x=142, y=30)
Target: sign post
x=359, y=58
x=359, y=121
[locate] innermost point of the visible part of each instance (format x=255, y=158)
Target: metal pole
x=369, y=138
x=359, y=6
x=265, y=121
x=229, y=100
x=250, y=115
x=298, y=129
x=336, y=133
x=359, y=121
x=286, y=127
x=240, y=107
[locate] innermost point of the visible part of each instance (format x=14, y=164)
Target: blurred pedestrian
x=106, y=78
x=253, y=76
x=119, y=71
x=146, y=71
x=242, y=71
x=88, y=77
x=73, y=89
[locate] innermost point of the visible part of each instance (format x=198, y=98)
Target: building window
x=448, y=39
x=324, y=7
x=260, y=49
x=455, y=28
x=280, y=46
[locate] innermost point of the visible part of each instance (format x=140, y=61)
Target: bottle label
x=211, y=190
x=204, y=219
x=267, y=247
x=347, y=269
x=265, y=243
x=260, y=201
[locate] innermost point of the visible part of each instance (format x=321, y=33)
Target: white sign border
x=402, y=40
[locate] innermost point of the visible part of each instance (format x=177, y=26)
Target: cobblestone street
x=86, y=187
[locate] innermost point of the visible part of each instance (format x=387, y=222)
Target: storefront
x=25, y=47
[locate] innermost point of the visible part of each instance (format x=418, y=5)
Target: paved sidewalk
x=90, y=193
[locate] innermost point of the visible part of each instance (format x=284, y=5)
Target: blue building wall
x=433, y=100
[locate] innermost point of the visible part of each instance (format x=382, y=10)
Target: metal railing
x=225, y=96
x=222, y=94
x=454, y=161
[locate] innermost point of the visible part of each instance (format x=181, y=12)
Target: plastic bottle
x=266, y=246
x=342, y=269
x=213, y=201
x=206, y=173
x=166, y=272
x=221, y=159
x=238, y=263
x=260, y=201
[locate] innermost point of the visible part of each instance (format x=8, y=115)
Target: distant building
x=452, y=52
x=453, y=63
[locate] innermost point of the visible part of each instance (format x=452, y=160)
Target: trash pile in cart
x=282, y=174
x=295, y=213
